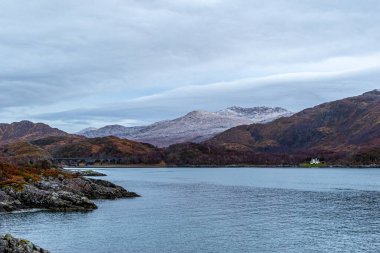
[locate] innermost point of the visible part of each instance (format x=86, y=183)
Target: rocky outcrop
x=9, y=244
x=8, y=204
x=60, y=194
x=90, y=173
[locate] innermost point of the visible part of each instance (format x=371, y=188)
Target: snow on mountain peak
x=195, y=126
x=260, y=114
x=198, y=114
x=83, y=131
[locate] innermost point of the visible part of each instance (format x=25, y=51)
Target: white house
x=315, y=161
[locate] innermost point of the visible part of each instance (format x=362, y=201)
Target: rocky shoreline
x=60, y=194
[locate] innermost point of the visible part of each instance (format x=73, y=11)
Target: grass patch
x=308, y=165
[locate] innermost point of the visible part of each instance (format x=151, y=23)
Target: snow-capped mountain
x=110, y=130
x=86, y=130
x=260, y=114
x=195, y=126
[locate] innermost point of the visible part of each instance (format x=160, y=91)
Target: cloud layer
x=78, y=63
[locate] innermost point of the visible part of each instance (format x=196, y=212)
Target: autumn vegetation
x=17, y=176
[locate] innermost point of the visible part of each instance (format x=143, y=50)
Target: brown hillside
x=346, y=131
x=24, y=153
x=26, y=131
x=100, y=148
x=350, y=124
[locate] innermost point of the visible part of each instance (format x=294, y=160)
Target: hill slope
x=24, y=153
x=26, y=131
x=343, y=131
x=110, y=148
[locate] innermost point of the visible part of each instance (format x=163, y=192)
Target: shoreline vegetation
x=302, y=166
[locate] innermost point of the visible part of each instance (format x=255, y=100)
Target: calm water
x=219, y=210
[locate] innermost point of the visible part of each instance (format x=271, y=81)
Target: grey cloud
x=302, y=90
x=93, y=60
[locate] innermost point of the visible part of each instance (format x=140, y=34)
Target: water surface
x=219, y=210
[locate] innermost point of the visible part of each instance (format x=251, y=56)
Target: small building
x=315, y=161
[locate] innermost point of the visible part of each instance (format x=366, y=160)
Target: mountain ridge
x=26, y=130
x=195, y=126
x=345, y=131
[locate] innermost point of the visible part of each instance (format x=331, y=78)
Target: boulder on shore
x=9, y=244
x=90, y=173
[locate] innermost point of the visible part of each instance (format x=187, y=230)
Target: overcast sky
x=74, y=64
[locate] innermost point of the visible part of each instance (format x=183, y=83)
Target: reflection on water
x=219, y=210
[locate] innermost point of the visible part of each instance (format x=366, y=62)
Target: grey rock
x=9, y=244
x=7, y=203
x=90, y=173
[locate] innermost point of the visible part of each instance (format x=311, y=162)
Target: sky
x=76, y=64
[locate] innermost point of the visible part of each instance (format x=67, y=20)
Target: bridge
x=80, y=161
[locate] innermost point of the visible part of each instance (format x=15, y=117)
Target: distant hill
x=196, y=126
x=261, y=114
x=26, y=131
x=110, y=130
x=110, y=148
x=83, y=131
x=28, y=143
x=343, y=131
